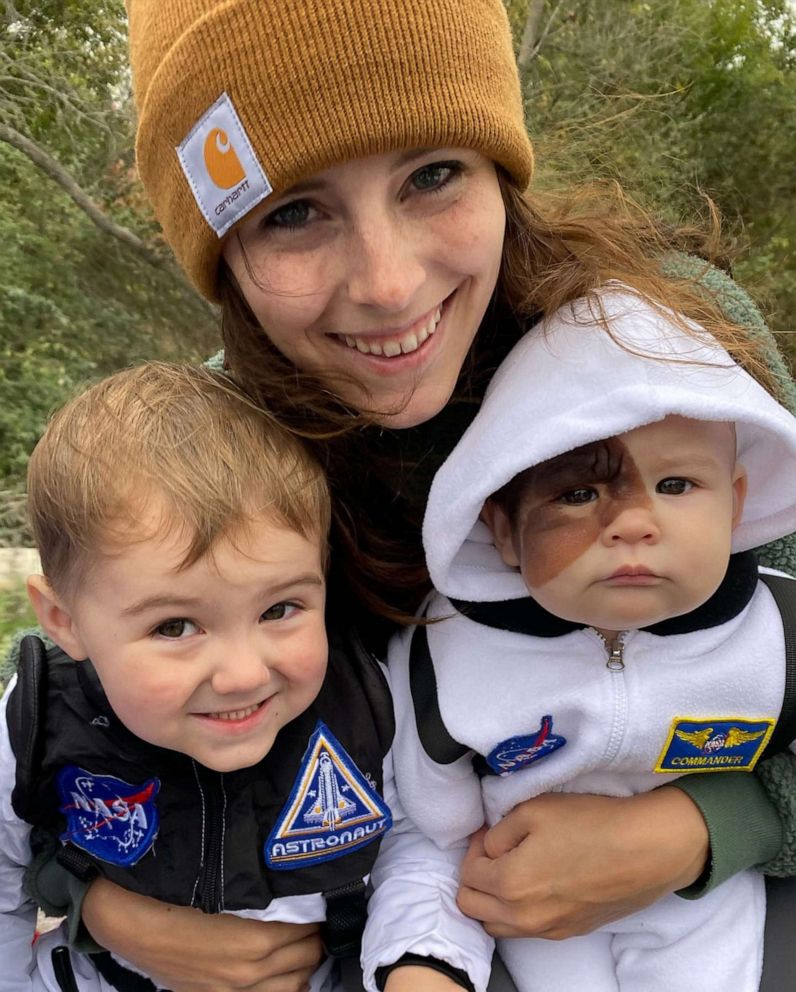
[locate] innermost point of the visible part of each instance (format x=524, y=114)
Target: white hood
x=567, y=383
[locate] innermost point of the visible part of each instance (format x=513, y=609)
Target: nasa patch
x=107, y=817
x=333, y=808
x=718, y=744
x=519, y=752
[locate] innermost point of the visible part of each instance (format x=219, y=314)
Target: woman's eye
x=674, y=487
x=577, y=497
x=434, y=177
x=279, y=611
x=176, y=628
x=288, y=217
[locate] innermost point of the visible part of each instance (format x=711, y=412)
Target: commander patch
x=714, y=745
x=333, y=808
x=108, y=817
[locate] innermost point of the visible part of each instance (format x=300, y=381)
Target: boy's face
x=626, y=532
x=212, y=660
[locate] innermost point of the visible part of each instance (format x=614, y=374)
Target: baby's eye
x=279, y=611
x=176, y=628
x=577, y=497
x=674, y=487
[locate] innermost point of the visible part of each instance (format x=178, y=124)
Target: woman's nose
x=385, y=269
x=632, y=525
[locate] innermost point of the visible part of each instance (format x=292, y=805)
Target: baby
x=602, y=628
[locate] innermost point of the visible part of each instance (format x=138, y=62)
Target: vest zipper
x=615, y=663
x=209, y=888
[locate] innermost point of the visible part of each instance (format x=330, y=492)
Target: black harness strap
x=345, y=920
x=119, y=977
x=437, y=742
x=784, y=593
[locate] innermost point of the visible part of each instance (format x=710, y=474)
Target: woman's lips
x=395, y=344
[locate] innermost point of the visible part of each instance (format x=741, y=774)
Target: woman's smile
x=375, y=275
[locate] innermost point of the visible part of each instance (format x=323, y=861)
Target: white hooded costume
x=507, y=702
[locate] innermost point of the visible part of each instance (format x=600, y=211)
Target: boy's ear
x=740, y=482
x=55, y=618
x=497, y=520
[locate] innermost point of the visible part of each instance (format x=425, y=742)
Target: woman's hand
x=562, y=865
x=187, y=951
x=414, y=978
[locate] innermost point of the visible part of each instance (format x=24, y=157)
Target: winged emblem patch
x=714, y=745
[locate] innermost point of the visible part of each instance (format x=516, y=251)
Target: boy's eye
x=674, y=487
x=176, y=628
x=577, y=497
x=434, y=177
x=279, y=611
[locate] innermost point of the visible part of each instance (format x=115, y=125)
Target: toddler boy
x=190, y=736
x=602, y=628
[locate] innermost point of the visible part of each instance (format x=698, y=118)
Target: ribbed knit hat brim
x=315, y=83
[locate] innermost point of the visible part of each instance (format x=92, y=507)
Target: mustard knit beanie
x=240, y=99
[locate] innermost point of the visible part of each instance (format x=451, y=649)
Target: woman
x=347, y=178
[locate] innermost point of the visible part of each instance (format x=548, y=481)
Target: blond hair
x=183, y=435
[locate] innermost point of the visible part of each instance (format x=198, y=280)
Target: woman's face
x=378, y=270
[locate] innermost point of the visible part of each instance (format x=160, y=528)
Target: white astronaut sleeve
x=413, y=907
x=17, y=912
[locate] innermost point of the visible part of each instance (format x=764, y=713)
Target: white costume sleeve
x=413, y=907
x=17, y=912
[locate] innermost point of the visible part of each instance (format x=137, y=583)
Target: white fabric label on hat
x=221, y=167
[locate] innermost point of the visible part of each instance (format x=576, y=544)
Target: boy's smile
x=629, y=531
x=211, y=660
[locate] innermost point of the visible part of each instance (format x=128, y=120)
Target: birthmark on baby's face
x=556, y=533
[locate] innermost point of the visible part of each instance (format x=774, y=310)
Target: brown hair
x=556, y=250
x=186, y=435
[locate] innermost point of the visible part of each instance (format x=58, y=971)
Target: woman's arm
x=562, y=865
x=187, y=951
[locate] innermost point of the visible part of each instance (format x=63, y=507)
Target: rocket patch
x=722, y=744
x=519, y=752
x=333, y=809
x=107, y=817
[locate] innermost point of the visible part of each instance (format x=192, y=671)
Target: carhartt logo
x=221, y=159
x=221, y=167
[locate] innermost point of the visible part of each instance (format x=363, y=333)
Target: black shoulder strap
x=437, y=742
x=784, y=592
x=26, y=720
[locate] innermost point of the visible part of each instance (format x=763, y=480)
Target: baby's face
x=214, y=659
x=629, y=531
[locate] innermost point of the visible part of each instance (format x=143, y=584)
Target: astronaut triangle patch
x=333, y=808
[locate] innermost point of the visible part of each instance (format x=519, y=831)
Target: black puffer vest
x=209, y=847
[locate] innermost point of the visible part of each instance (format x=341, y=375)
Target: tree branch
x=532, y=38
x=55, y=171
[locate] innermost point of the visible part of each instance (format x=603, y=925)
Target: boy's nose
x=243, y=669
x=632, y=525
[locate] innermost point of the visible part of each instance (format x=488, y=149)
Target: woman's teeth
x=403, y=344
x=235, y=714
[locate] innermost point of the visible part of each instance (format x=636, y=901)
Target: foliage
x=672, y=98
x=74, y=304
x=15, y=614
